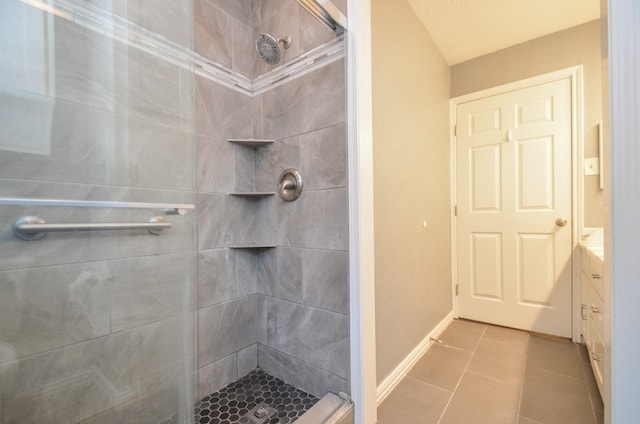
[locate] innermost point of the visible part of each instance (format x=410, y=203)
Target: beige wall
x=574, y=46
x=411, y=182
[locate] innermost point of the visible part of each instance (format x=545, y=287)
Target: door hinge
x=455, y=210
x=455, y=130
x=456, y=289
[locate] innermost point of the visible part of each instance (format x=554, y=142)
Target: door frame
x=575, y=75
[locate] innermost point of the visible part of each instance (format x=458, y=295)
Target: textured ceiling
x=464, y=29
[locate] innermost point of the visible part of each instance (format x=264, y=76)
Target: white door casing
x=513, y=182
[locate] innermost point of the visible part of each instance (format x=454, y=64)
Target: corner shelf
x=250, y=142
x=251, y=246
x=253, y=143
x=252, y=194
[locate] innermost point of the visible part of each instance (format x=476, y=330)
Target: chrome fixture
x=326, y=13
x=290, y=184
x=34, y=228
x=269, y=48
x=175, y=211
x=23, y=201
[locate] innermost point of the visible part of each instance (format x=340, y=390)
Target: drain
x=261, y=413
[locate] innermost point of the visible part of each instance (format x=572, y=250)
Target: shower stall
x=150, y=271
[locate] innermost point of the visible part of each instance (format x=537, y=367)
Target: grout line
x=530, y=419
x=444, y=344
x=548, y=371
x=488, y=377
x=427, y=383
x=524, y=374
x=453, y=392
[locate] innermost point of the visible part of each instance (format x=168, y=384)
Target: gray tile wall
x=259, y=307
x=222, y=33
x=304, y=338
x=98, y=326
x=227, y=278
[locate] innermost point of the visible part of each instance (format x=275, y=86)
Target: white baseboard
x=393, y=379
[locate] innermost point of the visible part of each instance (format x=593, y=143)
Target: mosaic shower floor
x=257, y=398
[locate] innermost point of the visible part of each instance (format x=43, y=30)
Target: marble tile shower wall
x=227, y=278
x=305, y=336
x=92, y=326
x=285, y=309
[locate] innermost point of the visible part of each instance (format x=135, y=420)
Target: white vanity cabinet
x=592, y=309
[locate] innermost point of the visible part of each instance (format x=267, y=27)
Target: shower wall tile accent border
x=171, y=47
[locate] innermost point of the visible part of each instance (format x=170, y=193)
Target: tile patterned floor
x=270, y=401
x=487, y=374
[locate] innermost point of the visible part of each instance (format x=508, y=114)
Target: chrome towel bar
x=169, y=208
x=34, y=228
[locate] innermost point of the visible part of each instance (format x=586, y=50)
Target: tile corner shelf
x=250, y=142
x=254, y=194
x=251, y=246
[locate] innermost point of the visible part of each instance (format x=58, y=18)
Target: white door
x=513, y=185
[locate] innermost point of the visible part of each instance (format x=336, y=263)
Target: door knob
x=561, y=222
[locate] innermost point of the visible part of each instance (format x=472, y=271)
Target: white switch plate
x=591, y=166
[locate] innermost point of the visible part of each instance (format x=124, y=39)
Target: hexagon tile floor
x=257, y=398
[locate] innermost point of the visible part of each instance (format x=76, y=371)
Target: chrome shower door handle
x=561, y=222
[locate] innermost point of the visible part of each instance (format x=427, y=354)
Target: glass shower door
x=97, y=225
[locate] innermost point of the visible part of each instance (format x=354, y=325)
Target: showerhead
x=269, y=49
